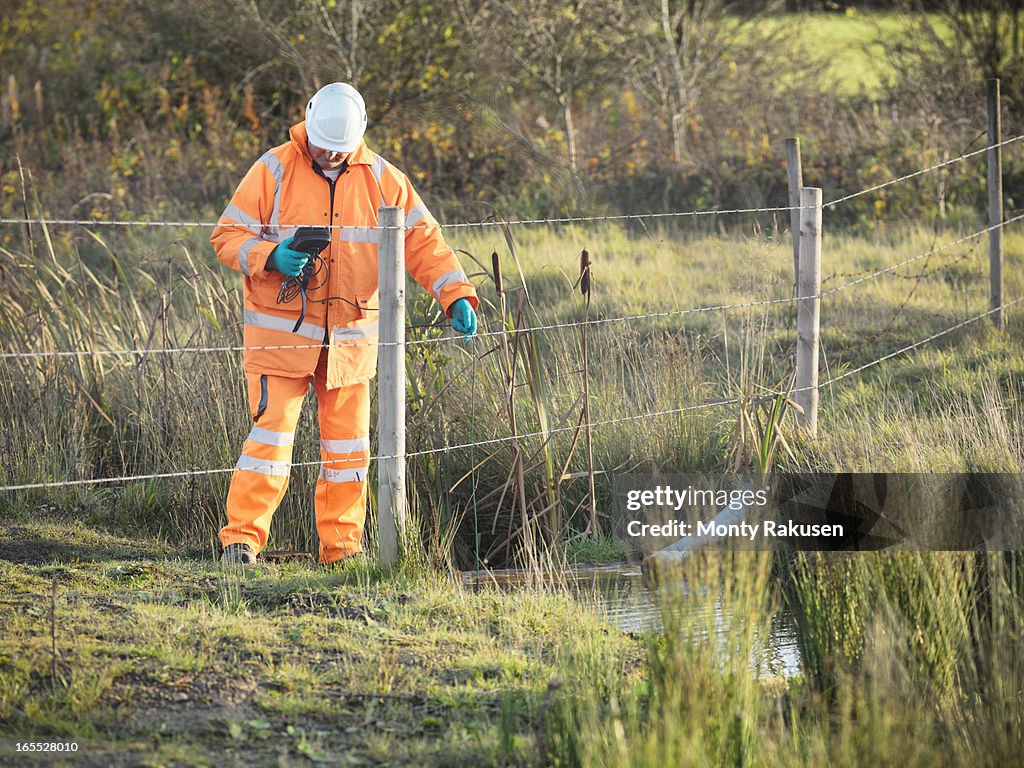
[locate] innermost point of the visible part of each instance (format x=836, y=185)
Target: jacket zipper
x=330, y=221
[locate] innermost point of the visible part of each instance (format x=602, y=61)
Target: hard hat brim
x=323, y=142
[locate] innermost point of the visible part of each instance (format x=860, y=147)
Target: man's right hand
x=285, y=260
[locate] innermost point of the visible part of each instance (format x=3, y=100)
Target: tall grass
x=907, y=657
x=955, y=404
x=105, y=416
x=912, y=659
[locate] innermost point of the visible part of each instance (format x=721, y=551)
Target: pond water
x=617, y=592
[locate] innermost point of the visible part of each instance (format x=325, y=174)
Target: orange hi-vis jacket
x=282, y=192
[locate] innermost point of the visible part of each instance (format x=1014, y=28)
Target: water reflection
x=618, y=593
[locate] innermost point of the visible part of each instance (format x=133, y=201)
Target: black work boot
x=238, y=554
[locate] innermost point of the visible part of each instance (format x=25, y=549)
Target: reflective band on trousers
x=264, y=466
x=355, y=445
x=275, y=323
x=269, y=437
x=343, y=475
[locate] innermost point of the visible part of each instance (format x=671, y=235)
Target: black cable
x=293, y=286
x=301, y=286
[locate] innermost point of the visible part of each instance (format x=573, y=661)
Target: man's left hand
x=463, y=318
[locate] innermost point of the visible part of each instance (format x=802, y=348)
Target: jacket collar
x=362, y=155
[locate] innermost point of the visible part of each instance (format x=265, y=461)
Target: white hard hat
x=336, y=118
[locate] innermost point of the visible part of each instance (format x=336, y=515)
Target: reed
x=955, y=404
x=910, y=657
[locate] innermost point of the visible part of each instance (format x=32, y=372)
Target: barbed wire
x=361, y=460
x=43, y=221
x=917, y=280
x=961, y=257
x=510, y=438
x=497, y=222
x=142, y=352
x=922, y=342
x=597, y=321
x=912, y=259
x=929, y=169
x=411, y=342
x=619, y=217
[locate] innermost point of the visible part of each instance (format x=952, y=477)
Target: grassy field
x=851, y=47
x=909, y=659
x=952, y=404
x=848, y=46
x=146, y=656
x=163, y=659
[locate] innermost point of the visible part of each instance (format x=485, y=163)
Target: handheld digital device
x=311, y=240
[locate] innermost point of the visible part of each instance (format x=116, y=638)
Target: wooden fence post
x=995, y=203
x=795, y=173
x=391, y=386
x=808, y=310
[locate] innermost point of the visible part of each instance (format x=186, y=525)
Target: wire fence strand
x=496, y=222
x=546, y=434
x=921, y=172
x=43, y=221
x=922, y=342
x=142, y=352
x=912, y=259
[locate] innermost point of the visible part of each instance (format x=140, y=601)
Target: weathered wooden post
x=586, y=280
x=795, y=174
x=391, y=385
x=995, y=203
x=808, y=310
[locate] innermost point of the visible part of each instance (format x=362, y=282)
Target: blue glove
x=463, y=318
x=286, y=261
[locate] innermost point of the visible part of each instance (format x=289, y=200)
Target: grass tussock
x=151, y=657
x=953, y=404
x=118, y=638
x=910, y=658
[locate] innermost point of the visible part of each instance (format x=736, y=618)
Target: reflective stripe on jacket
x=281, y=192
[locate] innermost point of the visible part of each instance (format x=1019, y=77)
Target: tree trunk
x=570, y=130
x=676, y=95
x=679, y=136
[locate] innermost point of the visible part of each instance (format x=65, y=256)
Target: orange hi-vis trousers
x=261, y=475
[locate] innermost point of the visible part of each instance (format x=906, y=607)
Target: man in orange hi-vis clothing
x=324, y=175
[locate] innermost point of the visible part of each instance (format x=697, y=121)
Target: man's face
x=326, y=158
